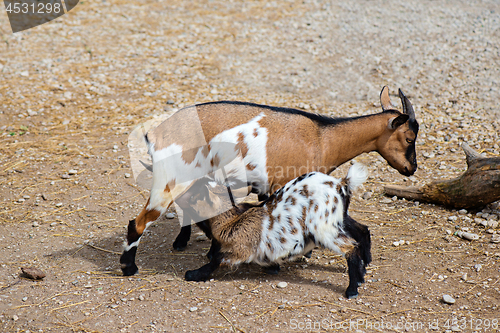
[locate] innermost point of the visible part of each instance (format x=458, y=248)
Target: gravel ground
x=72, y=90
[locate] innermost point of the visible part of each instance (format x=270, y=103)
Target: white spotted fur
x=326, y=230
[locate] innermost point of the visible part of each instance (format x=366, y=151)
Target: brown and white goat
x=273, y=145
x=307, y=212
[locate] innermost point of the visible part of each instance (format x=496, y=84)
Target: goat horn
x=407, y=107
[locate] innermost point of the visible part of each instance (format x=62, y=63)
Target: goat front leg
x=203, y=273
x=135, y=230
x=182, y=238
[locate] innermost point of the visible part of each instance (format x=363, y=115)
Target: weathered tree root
x=475, y=188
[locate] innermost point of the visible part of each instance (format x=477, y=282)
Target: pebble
x=448, y=299
x=495, y=238
x=462, y=211
x=193, y=309
x=201, y=238
x=467, y=235
x=170, y=215
x=72, y=172
x=115, y=147
x=386, y=201
x=26, y=197
x=127, y=175
x=21, y=200
x=478, y=267
x=452, y=218
x=35, y=224
x=141, y=298
x=367, y=195
x=60, y=204
x=15, y=318
x=282, y=285
x=65, y=176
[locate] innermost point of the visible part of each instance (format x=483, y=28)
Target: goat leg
x=182, y=239
x=356, y=274
x=203, y=273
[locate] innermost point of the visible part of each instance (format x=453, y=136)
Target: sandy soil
x=72, y=90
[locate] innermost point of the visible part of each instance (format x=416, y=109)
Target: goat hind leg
x=356, y=271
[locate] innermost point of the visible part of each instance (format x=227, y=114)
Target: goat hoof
x=180, y=246
x=129, y=269
x=350, y=294
x=194, y=275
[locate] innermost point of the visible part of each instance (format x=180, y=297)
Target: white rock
x=448, y=299
x=462, y=211
x=467, y=235
x=170, y=215
x=478, y=267
x=193, y=309
x=72, y=172
x=60, y=204
x=127, y=175
x=282, y=285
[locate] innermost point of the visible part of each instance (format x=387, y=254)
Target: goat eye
x=410, y=141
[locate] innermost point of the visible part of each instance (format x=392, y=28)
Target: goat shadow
x=155, y=255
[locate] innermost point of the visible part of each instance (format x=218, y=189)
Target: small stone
x=53, y=224
x=464, y=277
x=462, y=211
x=25, y=299
x=26, y=197
x=21, y=200
x=60, y=204
x=201, y=238
x=170, y=215
x=88, y=286
x=127, y=175
x=282, y=306
x=395, y=244
x=452, y=218
x=15, y=318
x=467, y=235
x=448, y=299
x=65, y=176
x=394, y=198
x=32, y=273
x=35, y=224
x=193, y=309
x=113, y=306
x=282, y=285
x=478, y=267
x=495, y=238
x=367, y=195
x=493, y=224
x=386, y=201
x=115, y=147
x=72, y=172
x=141, y=298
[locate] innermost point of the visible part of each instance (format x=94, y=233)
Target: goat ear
x=385, y=101
x=395, y=122
x=407, y=107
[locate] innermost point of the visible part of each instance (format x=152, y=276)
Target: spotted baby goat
x=309, y=211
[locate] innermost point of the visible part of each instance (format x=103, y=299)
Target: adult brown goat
x=274, y=144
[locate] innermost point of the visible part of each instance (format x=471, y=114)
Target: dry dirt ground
x=72, y=90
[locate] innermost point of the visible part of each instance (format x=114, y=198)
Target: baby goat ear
x=395, y=122
x=385, y=101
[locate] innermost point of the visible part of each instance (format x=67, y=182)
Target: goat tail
x=356, y=176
